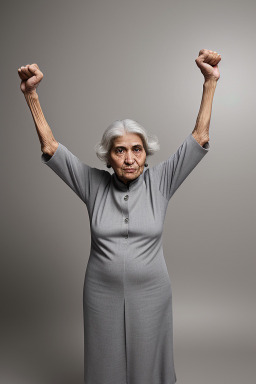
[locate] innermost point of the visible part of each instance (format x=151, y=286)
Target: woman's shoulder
x=101, y=174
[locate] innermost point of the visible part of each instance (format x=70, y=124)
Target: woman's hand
x=31, y=77
x=208, y=61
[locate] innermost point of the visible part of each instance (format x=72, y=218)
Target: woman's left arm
x=170, y=173
x=207, y=61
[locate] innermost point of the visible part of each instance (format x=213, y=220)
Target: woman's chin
x=128, y=176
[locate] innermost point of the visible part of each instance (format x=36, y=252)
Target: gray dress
x=127, y=297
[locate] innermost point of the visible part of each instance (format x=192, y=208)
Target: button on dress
x=127, y=296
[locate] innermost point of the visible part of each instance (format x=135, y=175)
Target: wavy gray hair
x=119, y=128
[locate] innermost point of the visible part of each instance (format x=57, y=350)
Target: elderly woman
x=127, y=298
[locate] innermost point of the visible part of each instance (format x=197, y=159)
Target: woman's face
x=127, y=157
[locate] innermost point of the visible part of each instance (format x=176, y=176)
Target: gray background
x=108, y=60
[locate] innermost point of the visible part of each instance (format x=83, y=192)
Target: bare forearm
x=201, y=130
x=46, y=138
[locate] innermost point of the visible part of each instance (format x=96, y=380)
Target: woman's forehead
x=128, y=139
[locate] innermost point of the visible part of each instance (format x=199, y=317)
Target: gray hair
x=119, y=128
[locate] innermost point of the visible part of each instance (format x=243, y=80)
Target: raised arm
x=31, y=76
x=207, y=61
x=80, y=177
x=171, y=173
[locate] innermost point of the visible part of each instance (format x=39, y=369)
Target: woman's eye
x=120, y=150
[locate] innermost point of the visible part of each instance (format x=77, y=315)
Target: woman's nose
x=129, y=158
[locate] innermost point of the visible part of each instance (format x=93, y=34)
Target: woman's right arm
x=80, y=177
x=48, y=143
x=31, y=77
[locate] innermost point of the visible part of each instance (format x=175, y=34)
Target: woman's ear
x=108, y=162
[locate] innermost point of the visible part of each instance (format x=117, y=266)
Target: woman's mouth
x=129, y=170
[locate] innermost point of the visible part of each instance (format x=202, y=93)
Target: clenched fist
x=208, y=61
x=30, y=76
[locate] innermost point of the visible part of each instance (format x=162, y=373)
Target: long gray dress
x=127, y=297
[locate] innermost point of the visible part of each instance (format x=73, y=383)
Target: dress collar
x=131, y=186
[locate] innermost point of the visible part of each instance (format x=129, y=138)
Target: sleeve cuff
x=204, y=148
x=46, y=159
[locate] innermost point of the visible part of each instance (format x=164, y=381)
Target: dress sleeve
x=80, y=177
x=171, y=173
